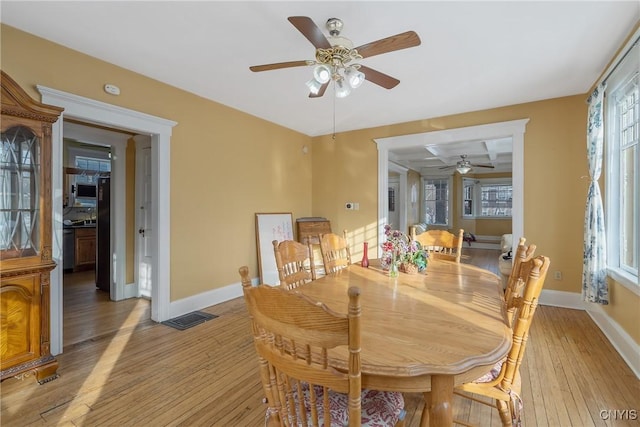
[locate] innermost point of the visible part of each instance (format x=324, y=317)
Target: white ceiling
x=474, y=55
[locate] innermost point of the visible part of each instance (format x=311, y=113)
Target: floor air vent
x=188, y=320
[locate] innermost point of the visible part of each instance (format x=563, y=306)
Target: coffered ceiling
x=442, y=158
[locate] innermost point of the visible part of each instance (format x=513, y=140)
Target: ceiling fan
x=336, y=58
x=464, y=166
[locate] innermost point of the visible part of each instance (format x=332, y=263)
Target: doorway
x=103, y=114
x=89, y=294
x=514, y=129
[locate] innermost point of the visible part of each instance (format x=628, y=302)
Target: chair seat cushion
x=379, y=408
x=492, y=374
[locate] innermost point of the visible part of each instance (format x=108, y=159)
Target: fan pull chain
x=334, y=112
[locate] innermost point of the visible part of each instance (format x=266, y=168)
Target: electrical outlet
x=557, y=275
x=356, y=206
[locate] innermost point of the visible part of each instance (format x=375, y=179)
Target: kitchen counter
x=80, y=226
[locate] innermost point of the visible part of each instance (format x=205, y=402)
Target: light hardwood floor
x=148, y=374
x=90, y=314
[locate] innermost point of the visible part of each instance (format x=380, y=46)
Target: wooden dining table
x=424, y=332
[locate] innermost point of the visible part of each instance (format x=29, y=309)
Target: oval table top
x=447, y=320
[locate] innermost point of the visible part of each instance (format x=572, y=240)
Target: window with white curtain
x=622, y=124
x=437, y=201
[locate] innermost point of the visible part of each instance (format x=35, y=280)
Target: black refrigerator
x=103, y=235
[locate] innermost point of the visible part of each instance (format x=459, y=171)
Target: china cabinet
x=25, y=234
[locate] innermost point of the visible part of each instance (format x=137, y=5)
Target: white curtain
x=594, y=277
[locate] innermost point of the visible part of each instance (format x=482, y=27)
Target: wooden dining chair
x=295, y=264
x=503, y=382
x=523, y=255
x=293, y=337
x=441, y=244
x=336, y=254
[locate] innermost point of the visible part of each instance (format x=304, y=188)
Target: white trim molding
x=562, y=299
x=207, y=299
x=514, y=129
x=402, y=196
x=628, y=349
x=96, y=112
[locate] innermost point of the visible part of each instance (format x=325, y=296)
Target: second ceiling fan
x=336, y=58
x=463, y=165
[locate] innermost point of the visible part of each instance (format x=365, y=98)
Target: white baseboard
x=206, y=299
x=561, y=299
x=130, y=290
x=487, y=242
x=488, y=239
x=628, y=349
x=481, y=245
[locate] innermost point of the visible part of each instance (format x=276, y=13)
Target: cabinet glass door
x=19, y=193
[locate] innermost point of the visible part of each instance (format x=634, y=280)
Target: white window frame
x=423, y=200
x=618, y=81
x=476, y=198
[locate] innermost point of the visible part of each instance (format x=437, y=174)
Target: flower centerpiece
x=400, y=252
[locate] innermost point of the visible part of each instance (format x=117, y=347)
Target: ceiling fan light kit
x=464, y=166
x=342, y=89
x=336, y=58
x=322, y=73
x=463, y=169
x=314, y=86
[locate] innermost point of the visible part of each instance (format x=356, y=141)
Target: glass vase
x=393, y=267
x=365, y=255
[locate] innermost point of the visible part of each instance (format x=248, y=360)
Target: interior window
x=91, y=165
x=487, y=198
x=436, y=201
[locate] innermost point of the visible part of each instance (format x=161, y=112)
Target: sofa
x=416, y=229
x=505, y=260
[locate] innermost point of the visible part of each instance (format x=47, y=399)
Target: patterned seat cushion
x=379, y=408
x=492, y=374
x=516, y=400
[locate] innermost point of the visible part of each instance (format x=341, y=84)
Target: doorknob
x=141, y=231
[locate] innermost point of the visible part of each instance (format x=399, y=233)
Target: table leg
x=438, y=403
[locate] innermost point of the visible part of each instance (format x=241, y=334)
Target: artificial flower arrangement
x=400, y=249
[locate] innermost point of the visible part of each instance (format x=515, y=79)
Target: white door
x=144, y=223
x=394, y=203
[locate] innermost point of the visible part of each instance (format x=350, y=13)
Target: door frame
x=514, y=129
x=401, y=197
x=96, y=112
x=142, y=142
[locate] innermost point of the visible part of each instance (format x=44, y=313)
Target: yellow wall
x=554, y=185
x=226, y=165
x=624, y=307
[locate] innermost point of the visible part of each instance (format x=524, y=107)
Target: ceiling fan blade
x=278, y=65
x=310, y=30
x=447, y=167
x=482, y=166
x=379, y=78
x=389, y=44
x=323, y=88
